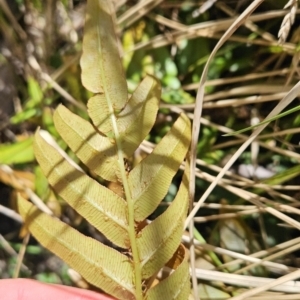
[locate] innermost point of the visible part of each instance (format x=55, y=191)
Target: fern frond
x=119, y=127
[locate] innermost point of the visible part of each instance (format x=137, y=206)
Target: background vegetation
x=252, y=214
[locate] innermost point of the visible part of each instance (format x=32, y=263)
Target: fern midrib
x=130, y=203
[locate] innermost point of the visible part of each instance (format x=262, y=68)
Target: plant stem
x=130, y=205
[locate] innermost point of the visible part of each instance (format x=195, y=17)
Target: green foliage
x=17, y=153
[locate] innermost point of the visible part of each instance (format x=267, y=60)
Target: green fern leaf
x=119, y=126
x=100, y=206
x=100, y=265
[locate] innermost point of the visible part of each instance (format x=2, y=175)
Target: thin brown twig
x=21, y=256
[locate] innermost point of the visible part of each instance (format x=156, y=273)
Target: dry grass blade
x=256, y=256
x=196, y=122
x=251, y=197
x=204, y=7
x=281, y=105
x=138, y=11
x=167, y=22
x=21, y=255
x=273, y=257
x=10, y=213
x=276, y=296
x=248, y=24
x=6, y=10
x=253, y=258
x=199, y=102
x=282, y=284
x=31, y=195
x=5, y=245
x=244, y=78
x=271, y=285
x=212, y=29
x=32, y=61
